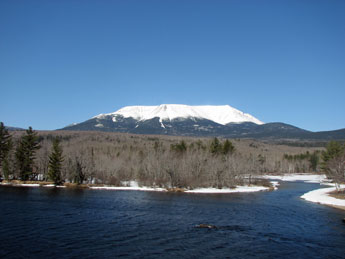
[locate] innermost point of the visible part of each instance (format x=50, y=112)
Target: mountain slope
x=14, y=128
x=222, y=114
x=183, y=120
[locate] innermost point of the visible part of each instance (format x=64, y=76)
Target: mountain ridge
x=167, y=120
x=221, y=114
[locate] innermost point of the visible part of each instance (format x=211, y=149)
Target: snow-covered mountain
x=184, y=120
x=221, y=114
x=170, y=119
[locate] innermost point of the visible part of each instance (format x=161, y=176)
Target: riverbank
x=308, y=178
x=18, y=183
x=320, y=196
x=134, y=186
x=237, y=189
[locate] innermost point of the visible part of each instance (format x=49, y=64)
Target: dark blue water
x=51, y=223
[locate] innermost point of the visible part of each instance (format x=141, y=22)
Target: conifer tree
x=5, y=142
x=314, y=160
x=228, y=147
x=79, y=173
x=5, y=148
x=26, y=154
x=216, y=147
x=334, y=149
x=55, y=163
x=6, y=168
x=333, y=163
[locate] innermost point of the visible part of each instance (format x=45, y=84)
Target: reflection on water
x=48, y=222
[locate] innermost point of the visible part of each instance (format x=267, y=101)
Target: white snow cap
x=221, y=114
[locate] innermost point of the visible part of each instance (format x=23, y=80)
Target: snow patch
x=128, y=186
x=130, y=183
x=275, y=184
x=162, y=125
x=134, y=186
x=99, y=125
x=309, y=178
x=228, y=190
x=321, y=196
x=123, y=188
x=27, y=185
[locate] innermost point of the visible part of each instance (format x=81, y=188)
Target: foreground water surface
x=51, y=223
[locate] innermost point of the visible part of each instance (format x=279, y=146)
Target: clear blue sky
x=65, y=61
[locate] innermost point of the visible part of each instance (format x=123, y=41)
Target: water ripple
x=91, y=224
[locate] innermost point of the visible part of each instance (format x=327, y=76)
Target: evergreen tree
x=79, y=173
x=25, y=154
x=216, y=147
x=55, y=163
x=314, y=160
x=228, y=147
x=333, y=150
x=5, y=143
x=6, y=168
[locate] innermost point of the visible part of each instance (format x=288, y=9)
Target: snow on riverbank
x=275, y=184
x=32, y=185
x=198, y=190
x=228, y=190
x=29, y=185
x=309, y=178
x=321, y=196
x=128, y=186
x=124, y=188
x=22, y=184
x=133, y=186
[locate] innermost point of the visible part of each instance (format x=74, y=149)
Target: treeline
x=19, y=163
x=305, y=162
x=333, y=162
x=162, y=161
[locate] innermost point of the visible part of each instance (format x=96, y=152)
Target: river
x=53, y=222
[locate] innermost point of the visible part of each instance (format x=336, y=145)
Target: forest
x=99, y=158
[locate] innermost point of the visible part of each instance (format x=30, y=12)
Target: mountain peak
x=202, y=120
x=221, y=114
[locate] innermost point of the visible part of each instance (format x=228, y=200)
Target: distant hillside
x=13, y=128
x=205, y=128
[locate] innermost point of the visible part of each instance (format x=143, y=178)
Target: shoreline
x=133, y=186
x=321, y=195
